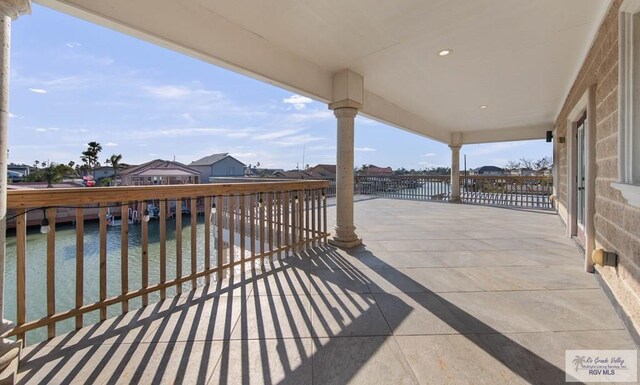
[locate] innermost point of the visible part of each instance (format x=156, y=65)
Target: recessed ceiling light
x=445, y=52
x=483, y=106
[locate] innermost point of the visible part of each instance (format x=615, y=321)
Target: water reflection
x=65, y=266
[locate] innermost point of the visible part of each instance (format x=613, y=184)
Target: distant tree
x=90, y=155
x=526, y=164
x=542, y=165
x=438, y=170
x=53, y=173
x=114, y=161
x=512, y=166
x=401, y=171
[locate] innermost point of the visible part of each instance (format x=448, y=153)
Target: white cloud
x=12, y=115
x=365, y=149
x=431, y=154
x=239, y=134
x=297, y=101
x=111, y=144
x=277, y=134
x=302, y=117
x=430, y=164
x=297, y=140
x=73, y=44
x=187, y=116
x=168, y=92
x=244, y=154
x=183, y=132
x=46, y=129
x=38, y=90
x=492, y=148
x=177, y=92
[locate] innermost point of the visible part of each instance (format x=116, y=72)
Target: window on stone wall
x=629, y=102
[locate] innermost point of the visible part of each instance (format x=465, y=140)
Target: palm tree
x=114, y=161
x=54, y=173
x=90, y=155
x=578, y=361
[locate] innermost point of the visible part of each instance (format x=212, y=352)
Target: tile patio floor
x=439, y=294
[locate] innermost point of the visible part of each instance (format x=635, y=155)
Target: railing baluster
x=279, y=222
x=124, y=254
x=51, y=269
x=21, y=269
x=314, y=194
x=306, y=216
x=286, y=202
x=270, y=197
x=194, y=242
x=163, y=247
x=252, y=229
x=293, y=195
x=243, y=232
x=261, y=207
x=324, y=217
x=179, y=244
x=319, y=196
x=79, y=264
x=103, y=259
x=144, y=226
x=301, y=220
x=232, y=229
x=219, y=223
x=207, y=237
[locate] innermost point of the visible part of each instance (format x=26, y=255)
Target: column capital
x=15, y=8
x=455, y=147
x=345, y=112
x=346, y=103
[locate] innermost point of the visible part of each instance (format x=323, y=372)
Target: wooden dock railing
x=234, y=228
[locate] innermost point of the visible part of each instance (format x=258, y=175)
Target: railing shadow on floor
x=276, y=318
x=520, y=360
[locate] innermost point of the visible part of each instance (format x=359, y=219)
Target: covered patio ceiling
x=516, y=57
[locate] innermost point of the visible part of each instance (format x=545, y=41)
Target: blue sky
x=73, y=82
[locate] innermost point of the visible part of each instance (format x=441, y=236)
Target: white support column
x=345, y=236
x=9, y=9
x=456, y=144
x=348, y=95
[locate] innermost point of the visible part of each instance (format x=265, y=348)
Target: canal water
x=65, y=267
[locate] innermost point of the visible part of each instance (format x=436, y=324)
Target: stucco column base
x=337, y=242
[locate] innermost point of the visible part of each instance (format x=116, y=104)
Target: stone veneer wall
x=617, y=224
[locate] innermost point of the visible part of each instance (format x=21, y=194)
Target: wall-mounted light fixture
x=604, y=258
